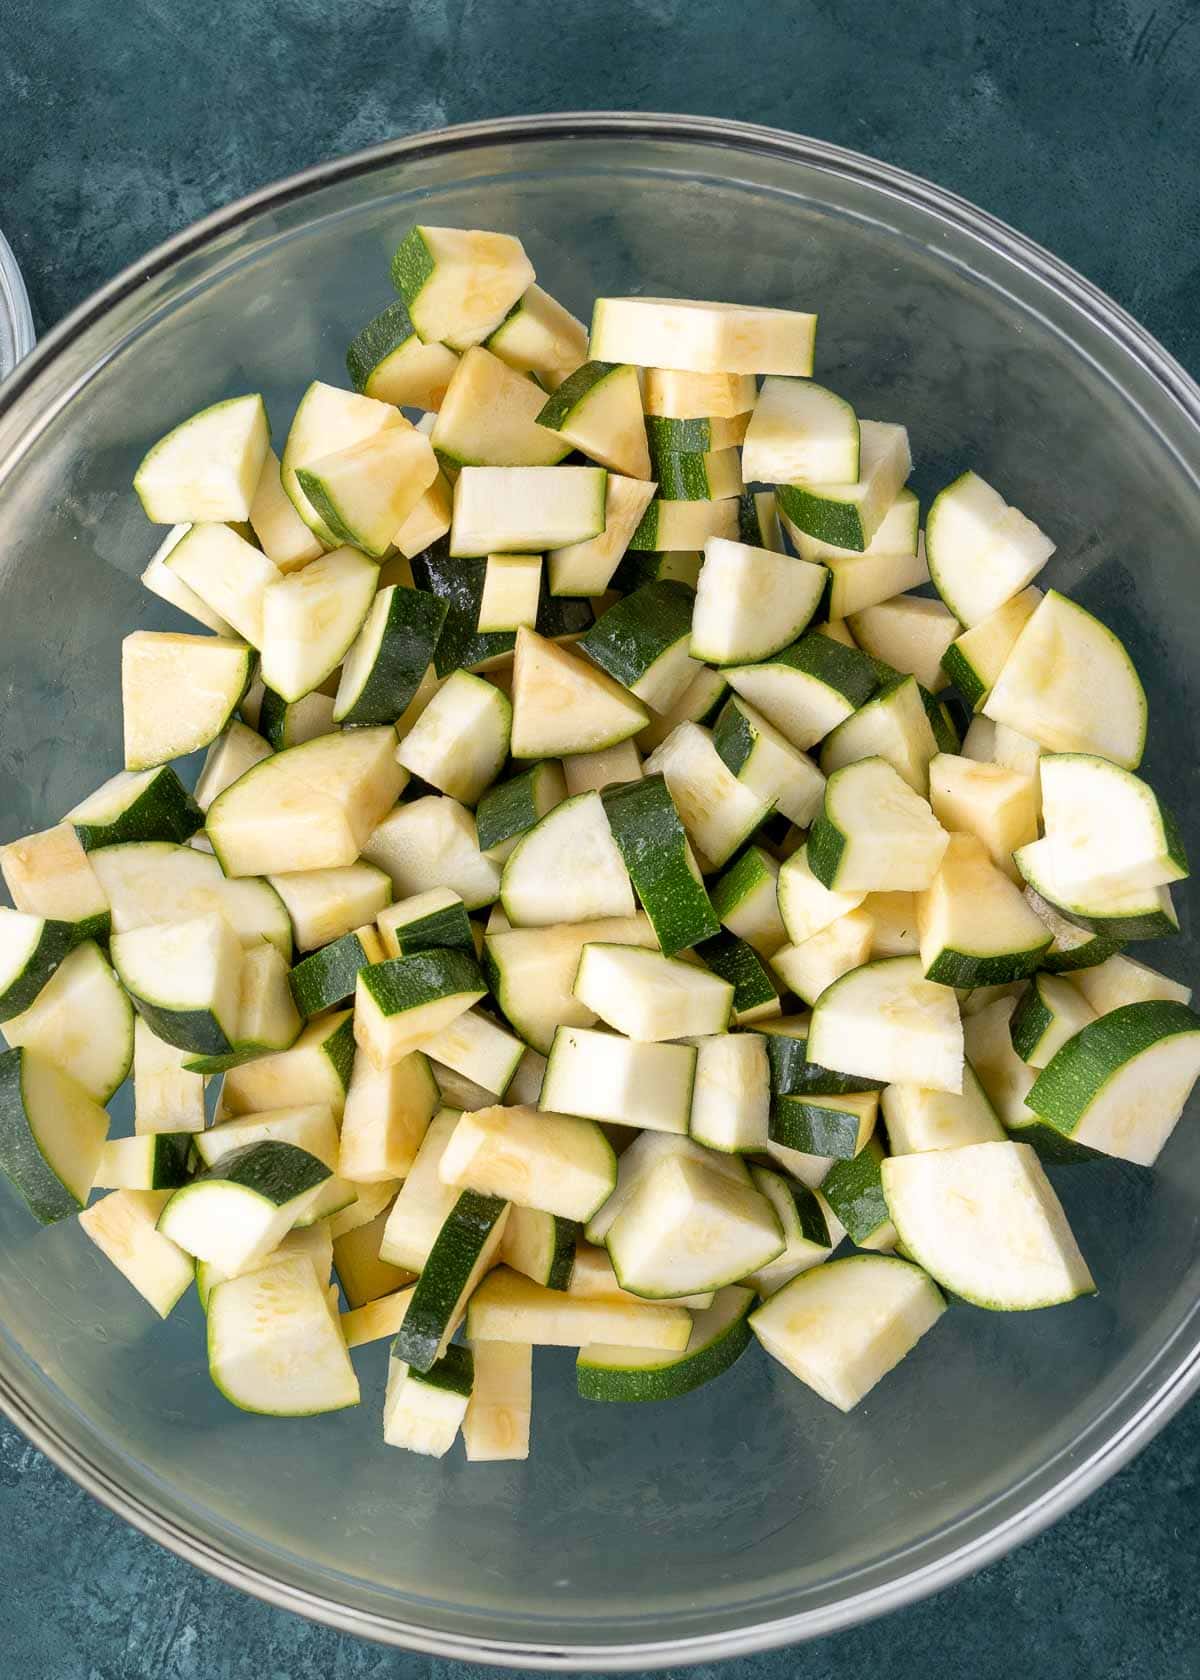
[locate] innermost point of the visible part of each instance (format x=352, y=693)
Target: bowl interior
x=751, y=1500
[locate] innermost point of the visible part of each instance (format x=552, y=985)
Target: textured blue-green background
x=1076, y=120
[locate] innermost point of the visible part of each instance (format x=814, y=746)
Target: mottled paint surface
x=1076, y=121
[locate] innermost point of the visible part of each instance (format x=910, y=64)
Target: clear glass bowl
x=16, y=322
x=750, y=1514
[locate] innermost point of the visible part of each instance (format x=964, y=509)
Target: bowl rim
x=14, y=304
x=1072, y=1474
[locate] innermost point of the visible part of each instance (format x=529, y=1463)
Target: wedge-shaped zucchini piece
x=598, y=409
x=562, y=704
x=523, y=510
x=207, y=467
x=850, y=514
x=428, y=522
x=698, y=475
x=918, y=1119
x=555, y=1163
x=836, y=1126
x=532, y=972
x=874, y=833
x=283, y=536
x=311, y=618
x=496, y=1425
x=289, y=723
x=166, y=1097
x=155, y=1161
x=323, y=904
x=891, y=725
x=698, y=703
x=792, y=1074
x=479, y=1049
x=635, y=1162
x=887, y=1021
x=363, y=1275
x=800, y=432
x=982, y=552
x=327, y=421
x=1109, y=827
x=998, y=805
x=387, y=1115
x=424, y=1201
x=462, y=1253
x=706, y=338
x=892, y=561
x=510, y=1308
x=766, y=762
x=853, y=1189
x=541, y=1246
x=808, y=689
x=433, y=842
x=811, y=1231
x=567, y=869
x=178, y=692
x=642, y=642
x=679, y=395
x=1070, y=947
x=267, y=1019
x=375, y=1321
x=385, y=667
x=229, y=574
x=136, y=805
x=460, y=741
x=1048, y=685
x=592, y=1277
x=123, y=1227
x=651, y=997
x=909, y=633
x=316, y=1069
x=462, y=645
x=1049, y=1012
x=489, y=417
x=184, y=978
x=82, y=1021
x=424, y=1411
x=48, y=874
x=751, y=602
x=718, y=811
x=312, y=807
x=539, y=336
x=690, y=1227
x=236, y=1212
x=1119, y=914
x=808, y=968
x=404, y=1001
x=653, y=844
x=600, y=1076
x=975, y=926
x=459, y=284
x=806, y=905
x=429, y=919
x=843, y=1326
x=388, y=361
x=1007, y=1081
x=587, y=568
x=274, y=1346
x=160, y=580
x=731, y=1094
x=1119, y=980
x=325, y=979
x=52, y=1134
x=720, y=1335
x=746, y=900
x=975, y=659
x=31, y=948
x=310, y=1127
x=235, y=751
x=154, y=882
x=681, y=524
x=755, y=995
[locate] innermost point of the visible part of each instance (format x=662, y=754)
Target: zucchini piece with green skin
x=460, y=585
x=874, y=833
x=31, y=949
x=375, y=1321
x=287, y=723
x=166, y=1098
x=362, y=1273
x=718, y=812
x=539, y=336
x=387, y=360
x=703, y=338
x=720, y=1335
x=1062, y=659
x=82, y=1021
x=422, y=923
x=526, y=510
x=1110, y=827
x=310, y=1127
x=160, y=580
x=326, y=979
x=678, y=565
x=982, y=552
x=999, y=805
x=755, y=994
x=600, y=1076
x=433, y=842
x=274, y=1321
x=848, y=515
x=651, y=997
x=315, y=1069
x=593, y=1277
x=1120, y=916
x=801, y=433
x=282, y=535
x=698, y=703
x=267, y=1019
x=236, y=1212
x=793, y=1075
x=984, y=1222
x=52, y=1134
x=975, y=659
x=540, y=1246
x=512, y=588
x=1071, y=948
x=532, y=972
x=685, y=524
x=412, y=1224
x=886, y=1021
x=386, y=1118
x=807, y=689
x=234, y=752
x=311, y=619
x=322, y=904
x=910, y=633
x=759, y=522
x=184, y=979
x=478, y=1049
x=807, y=905
x=328, y=419
x=403, y=1001
x=428, y=522
x=917, y=1119
x=462, y=1253
x=891, y=725
x=807, y=969
x=975, y=926
x=563, y=704
x=136, y=805
x=700, y=434
x=751, y=602
x=489, y=418
x=892, y=561
x=588, y=567
x=567, y=868
x=393, y=650
x=312, y=1243
x=633, y=1164
x=207, y=467
x=49, y=875
x=698, y=475
x=230, y=575
x=746, y=901
x=1007, y=1081
x=123, y=1227
x=825, y=1125
x=854, y=1190
x=843, y=1326
x=154, y=1161
x=1119, y=980
x=731, y=1096
x=598, y=409
x=459, y=284
x=810, y=1230
x=1048, y=1013
x=689, y=1227
x=653, y=844
x=460, y=742
x=204, y=677
x=642, y=642
x=1120, y=1084
x=509, y=1308
x=941, y=721
x=557, y=1163
x=423, y=1412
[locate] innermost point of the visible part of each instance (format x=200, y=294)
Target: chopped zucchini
x=323, y=904
x=523, y=510
x=642, y=642
x=849, y=514
x=424, y=1200
x=600, y=1076
x=208, y=467
x=588, y=567
x=385, y=667
x=203, y=677
x=476, y=1048
x=704, y=338
x=746, y=901
x=52, y=1134
x=460, y=742
x=230, y=575
x=326, y=978
x=123, y=1227
x=808, y=688
x=652, y=841
x=236, y=1212
x=909, y=633
x=532, y=972
x=667, y=435
x=509, y=1308
x=720, y=1335
x=698, y=475
x=433, y=842
x=1109, y=828
x=751, y=602
x=540, y=1246
x=316, y=1069
x=489, y=417
x=166, y=1097
x=598, y=409
x=678, y=395
x=918, y=1119
x=806, y=905
x=326, y=421
x=1070, y=947
x=893, y=560
x=31, y=948
x=554, y=1163
x=975, y=926
x=184, y=978
x=512, y=588
x=731, y=1095
x=886, y=1021
x=424, y=1411
x=288, y=723
x=462, y=1253
x=800, y=432
x=388, y=361
x=82, y=1021
x=311, y=618
x=981, y=551
x=234, y=752
x=975, y=659
x=48, y=874
x=282, y=535
x=651, y=997
x=1119, y=914
x=567, y=868
x=274, y=1346
x=808, y=968
x=401, y=1002
x=689, y=1227
x=891, y=725
x=539, y=336
x=425, y=921
x=155, y=1161
x=678, y=524
x=1119, y=980
x=562, y=704
x=810, y=1229
x=718, y=811
x=595, y=771
x=874, y=833
x=496, y=1425
x=755, y=995
x=459, y=284
x=998, y=805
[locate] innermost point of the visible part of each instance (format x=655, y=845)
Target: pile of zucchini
x=584, y=861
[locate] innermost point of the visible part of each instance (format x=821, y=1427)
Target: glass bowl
x=16, y=322
x=750, y=1514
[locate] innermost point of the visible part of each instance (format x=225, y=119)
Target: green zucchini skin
x=459, y=584
x=653, y=846
x=403, y=983
x=793, y=1075
x=627, y=639
x=171, y=1156
x=560, y=405
x=21, y=1161
x=800, y=1124
x=1065, y=1088
x=454, y=1371
x=278, y=1172
x=854, y=1190
x=449, y=929
x=164, y=810
x=674, y=1378
x=326, y=979
x=195, y=1030
x=741, y=965
x=391, y=328
x=440, y=1286
x=508, y=809
x=57, y=940
x=964, y=969
x=415, y=620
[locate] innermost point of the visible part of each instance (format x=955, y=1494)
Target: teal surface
x=1075, y=121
